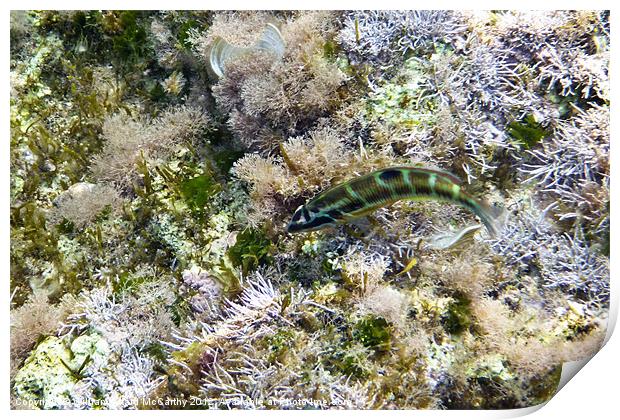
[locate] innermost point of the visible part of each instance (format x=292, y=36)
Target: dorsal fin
x=440, y=172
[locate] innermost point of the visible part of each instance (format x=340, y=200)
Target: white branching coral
x=492, y=78
x=118, y=330
x=503, y=82
x=446, y=124
x=234, y=369
x=570, y=264
x=250, y=382
x=572, y=73
x=562, y=43
x=258, y=297
x=342, y=392
x=574, y=166
x=136, y=379
x=126, y=322
x=564, y=261
x=384, y=36
x=125, y=384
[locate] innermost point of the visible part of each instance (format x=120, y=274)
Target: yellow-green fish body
x=365, y=194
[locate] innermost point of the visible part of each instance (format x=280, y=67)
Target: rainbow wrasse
x=362, y=195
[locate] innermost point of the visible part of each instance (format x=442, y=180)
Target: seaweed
x=131, y=44
x=251, y=249
x=184, y=29
x=458, y=316
x=527, y=132
x=198, y=191
x=374, y=333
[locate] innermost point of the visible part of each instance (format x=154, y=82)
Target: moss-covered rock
x=49, y=374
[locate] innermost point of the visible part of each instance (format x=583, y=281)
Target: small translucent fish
x=448, y=240
x=270, y=41
x=362, y=195
x=222, y=51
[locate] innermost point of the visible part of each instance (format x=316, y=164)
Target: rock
x=49, y=375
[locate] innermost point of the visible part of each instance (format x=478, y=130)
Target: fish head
x=300, y=219
x=305, y=220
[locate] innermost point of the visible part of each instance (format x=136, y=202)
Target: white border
x=592, y=394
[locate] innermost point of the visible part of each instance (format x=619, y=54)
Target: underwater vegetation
x=158, y=158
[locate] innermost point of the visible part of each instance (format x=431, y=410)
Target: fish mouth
x=296, y=228
x=293, y=228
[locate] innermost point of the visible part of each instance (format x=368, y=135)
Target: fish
x=451, y=240
x=363, y=195
x=221, y=51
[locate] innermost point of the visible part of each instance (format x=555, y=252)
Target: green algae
x=458, y=315
x=527, y=132
x=251, y=249
x=374, y=333
x=198, y=191
x=184, y=29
